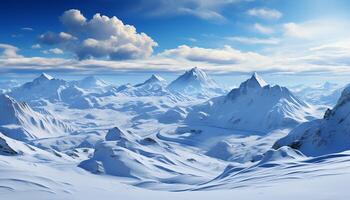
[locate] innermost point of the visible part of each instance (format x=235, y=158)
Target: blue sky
x=304, y=38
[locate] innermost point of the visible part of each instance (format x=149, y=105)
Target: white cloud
x=36, y=46
x=53, y=51
x=263, y=29
x=297, y=30
x=27, y=29
x=102, y=37
x=316, y=29
x=332, y=58
x=253, y=40
x=265, y=13
x=225, y=55
x=9, y=51
x=51, y=38
x=203, y=9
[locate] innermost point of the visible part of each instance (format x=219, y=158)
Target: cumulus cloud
x=265, y=13
x=225, y=55
x=51, y=38
x=332, y=58
x=9, y=51
x=36, y=46
x=253, y=40
x=53, y=51
x=101, y=37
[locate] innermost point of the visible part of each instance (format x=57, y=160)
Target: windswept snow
x=328, y=135
x=254, y=106
x=87, y=139
x=19, y=121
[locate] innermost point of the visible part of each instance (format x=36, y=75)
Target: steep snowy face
x=195, y=82
x=90, y=82
x=154, y=86
x=328, y=135
x=19, y=121
x=254, y=106
x=154, y=79
x=45, y=86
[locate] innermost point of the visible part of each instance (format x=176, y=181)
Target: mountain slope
x=91, y=84
x=44, y=86
x=328, y=135
x=19, y=121
x=195, y=82
x=254, y=106
x=154, y=86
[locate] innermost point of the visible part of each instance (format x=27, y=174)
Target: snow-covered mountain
x=328, y=135
x=19, y=121
x=255, y=106
x=81, y=94
x=6, y=86
x=154, y=86
x=195, y=82
x=322, y=94
x=44, y=86
x=91, y=84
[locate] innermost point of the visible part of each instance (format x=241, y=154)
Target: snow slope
x=19, y=121
x=255, y=106
x=197, y=83
x=149, y=161
x=167, y=144
x=328, y=135
x=44, y=86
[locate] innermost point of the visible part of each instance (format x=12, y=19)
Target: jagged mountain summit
x=44, y=86
x=19, y=121
x=154, y=79
x=195, y=82
x=323, y=136
x=153, y=86
x=254, y=105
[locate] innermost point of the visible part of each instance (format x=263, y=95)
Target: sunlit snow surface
x=188, y=139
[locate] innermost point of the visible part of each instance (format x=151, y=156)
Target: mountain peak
x=193, y=82
x=155, y=78
x=45, y=76
x=196, y=72
x=91, y=82
x=255, y=81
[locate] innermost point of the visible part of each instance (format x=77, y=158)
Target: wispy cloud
x=203, y=9
x=263, y=29
x=27, y=29
x=254, y=40
x=265, y=13
x=9, y=51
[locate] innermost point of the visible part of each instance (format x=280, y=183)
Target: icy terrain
x=185, y=139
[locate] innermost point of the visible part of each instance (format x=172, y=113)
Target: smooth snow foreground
x=188, y=139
